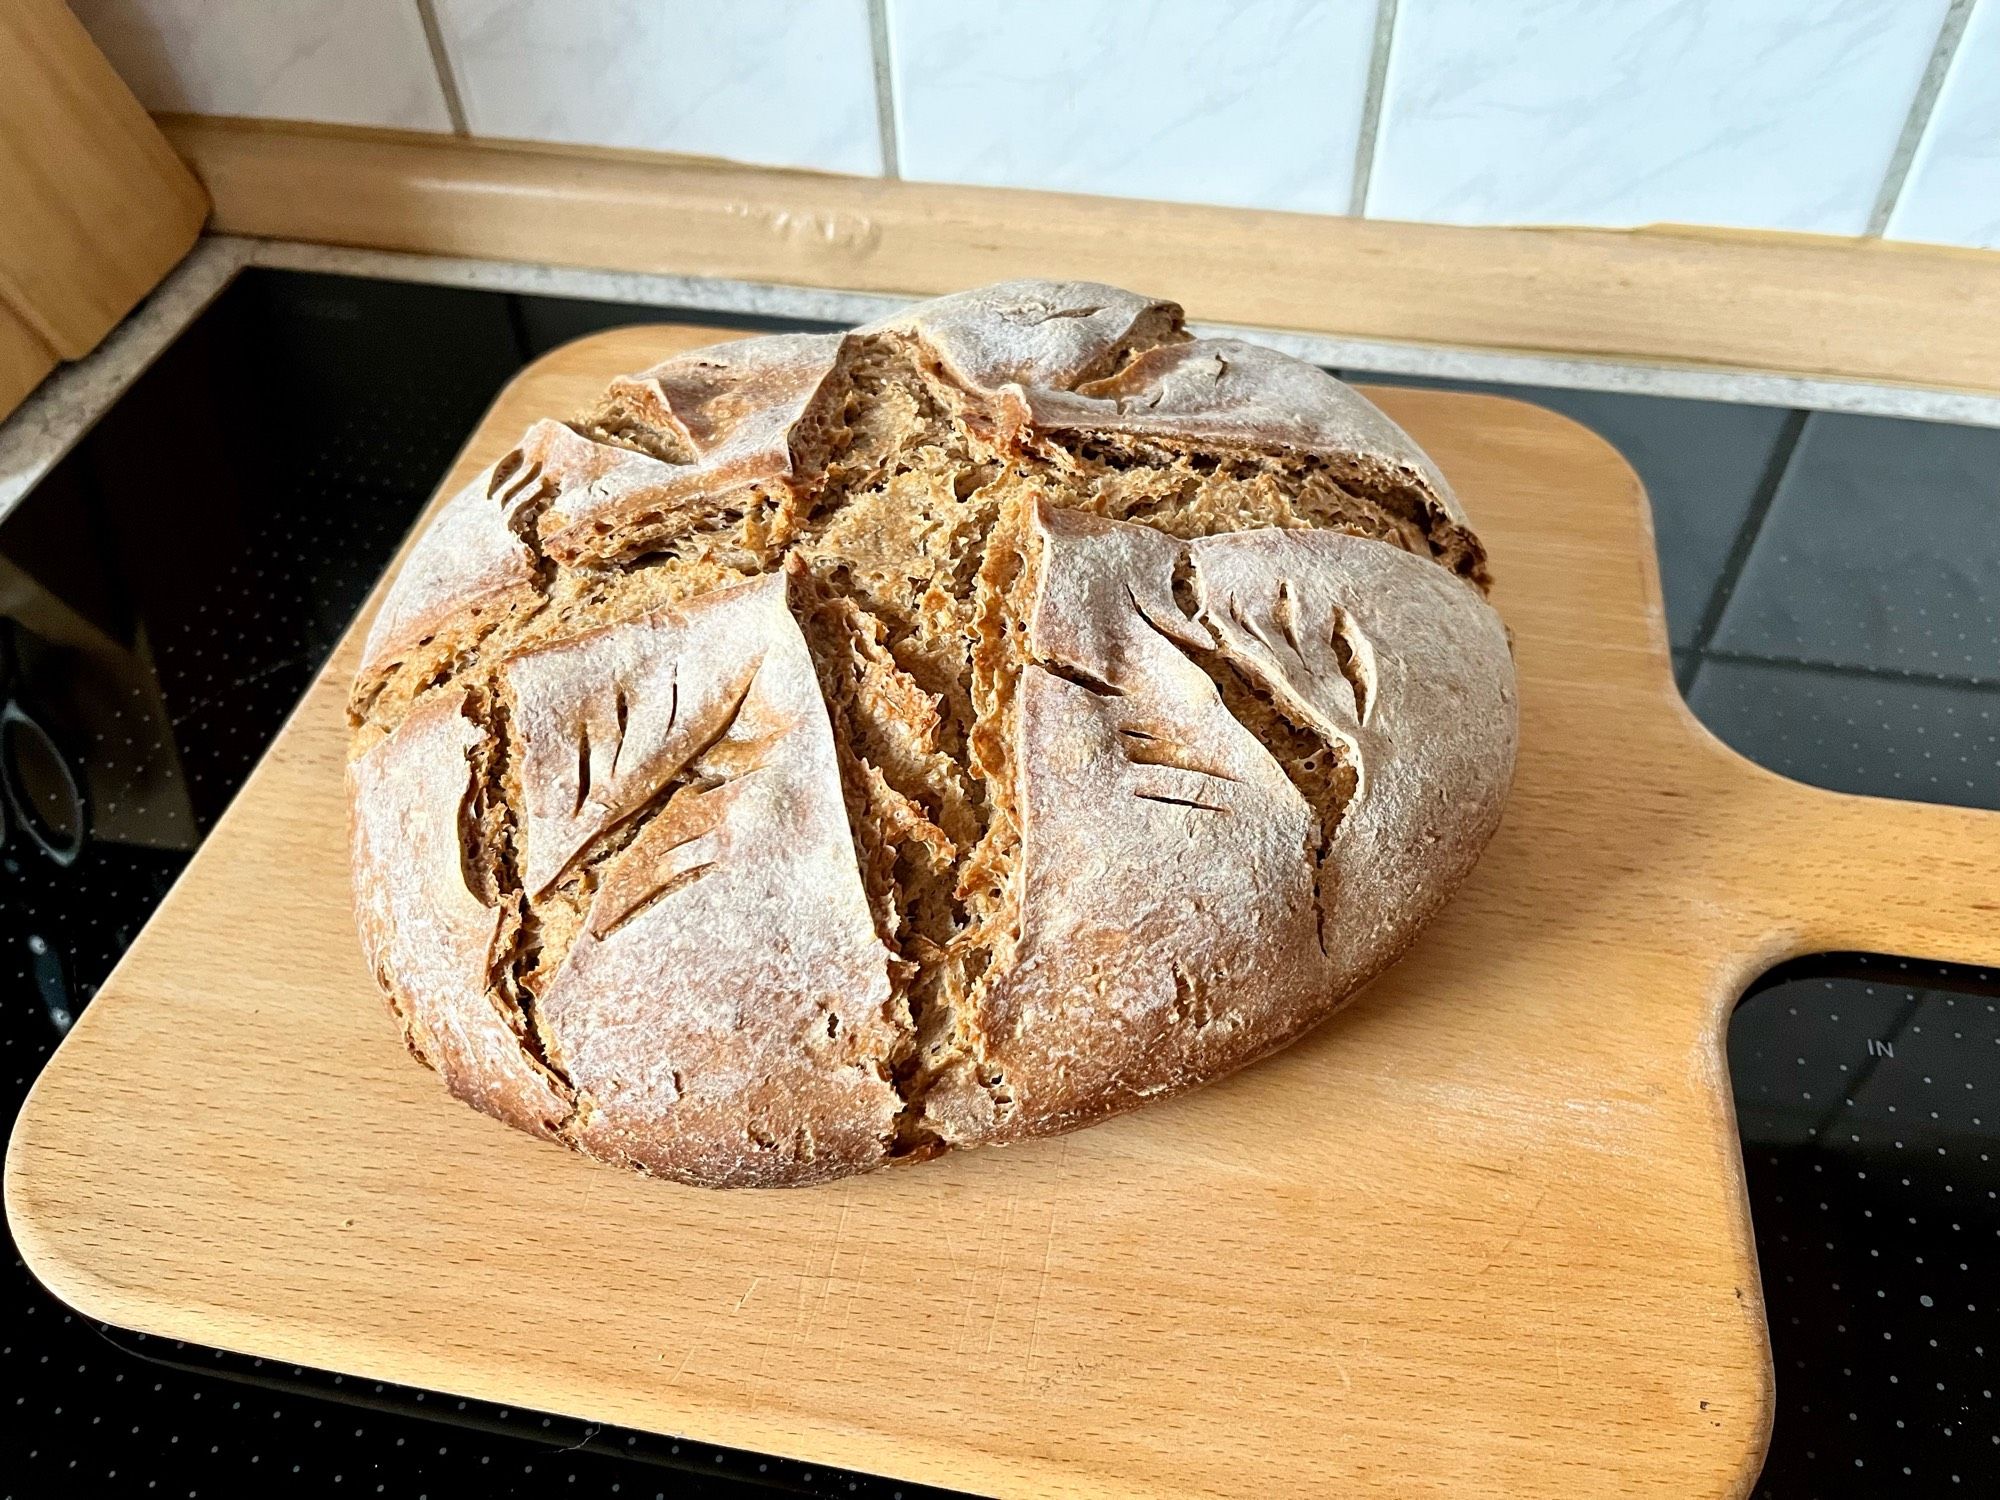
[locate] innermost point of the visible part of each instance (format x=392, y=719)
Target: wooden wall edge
x=99, y=208
x=1789, y=304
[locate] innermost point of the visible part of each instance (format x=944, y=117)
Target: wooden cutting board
x=1482, y=1234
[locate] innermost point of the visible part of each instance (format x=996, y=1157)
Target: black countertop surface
x=1833, y=588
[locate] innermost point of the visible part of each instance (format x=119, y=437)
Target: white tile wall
x=1770, y=114
x=1249, y=102
x=349, y=62
x=1952, y=194
x=1779, y=114
x=779, y=82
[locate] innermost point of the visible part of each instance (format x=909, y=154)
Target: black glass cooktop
x=169, y=591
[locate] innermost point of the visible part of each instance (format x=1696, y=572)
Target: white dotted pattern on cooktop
x=1927, y=741
x=1870, y=1171
x=1870, y=1116
x=1881, y=550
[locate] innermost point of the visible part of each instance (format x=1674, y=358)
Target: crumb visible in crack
x=1076, y=676
x=626, y=868
x=619, y=421
x=1346, y=643
x=1191, y=1004
x=1172, y=485
x=491, y=852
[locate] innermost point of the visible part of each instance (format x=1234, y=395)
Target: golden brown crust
x=1222, y=394
x=735, y=415
x=836, y=748
x=1408, y=670
x=429, y=939
x=1035, y=335
x=470, y=554
x=1166, y=896
x=724, y=1010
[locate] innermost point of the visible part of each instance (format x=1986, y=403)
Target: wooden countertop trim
x=1790, y=304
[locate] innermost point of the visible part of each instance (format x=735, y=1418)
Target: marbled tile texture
x=1952, y=194
x=346, y=62
x=1778, y=114
x=1254, y=103
x=786, y=83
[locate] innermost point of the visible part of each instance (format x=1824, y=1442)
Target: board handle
x=1916, y=879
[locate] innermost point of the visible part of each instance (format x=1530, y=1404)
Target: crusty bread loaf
x=834, y=749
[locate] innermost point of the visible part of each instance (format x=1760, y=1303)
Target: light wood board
x=24, y=359
x=98, y=207
x=1482, y=1234
x=1812, y=305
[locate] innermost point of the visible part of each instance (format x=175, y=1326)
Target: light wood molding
x=98, y=208
x=1790, y=304
x=1484, y=1233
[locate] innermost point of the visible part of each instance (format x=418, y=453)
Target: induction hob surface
x=177, y=581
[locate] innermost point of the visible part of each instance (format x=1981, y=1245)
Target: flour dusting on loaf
x=832, y=750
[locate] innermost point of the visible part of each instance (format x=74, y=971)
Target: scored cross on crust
x=837, y=749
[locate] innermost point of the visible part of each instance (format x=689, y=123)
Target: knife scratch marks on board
x=693, y=1349
x=833, y=1260
x=1555, y=1316
x=1519, y=1229
x=754, y=1280
x=1555, y=1313
x=1000, y=1281
x=1042, y=1279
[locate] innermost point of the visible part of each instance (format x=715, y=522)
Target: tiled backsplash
x=779, y=82
x=1953, y=190
x=349, y=62
x=1835, y=116
x=1256, y=103
x=1779, y=114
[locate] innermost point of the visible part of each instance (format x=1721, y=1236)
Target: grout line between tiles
x=1371, y=106
x=1687, y=667
x=1746, y=535
x=885, y=87
x=454, y=102
x=1844, y=669
x=1929, y=86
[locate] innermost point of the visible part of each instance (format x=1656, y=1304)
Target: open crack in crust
x=834, y=749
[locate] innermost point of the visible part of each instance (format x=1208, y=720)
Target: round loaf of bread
x=834, y=749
